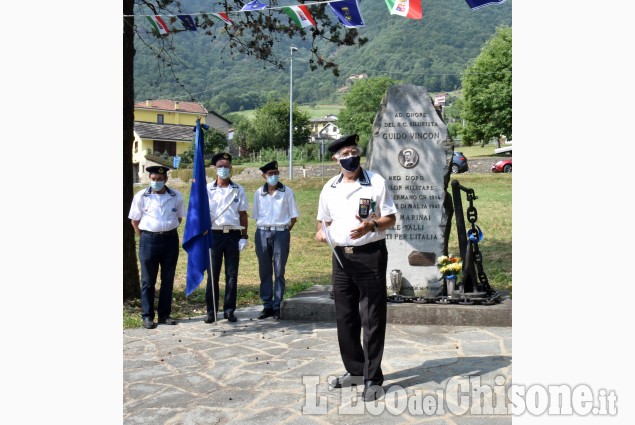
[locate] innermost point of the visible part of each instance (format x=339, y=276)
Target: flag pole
x=211, y=278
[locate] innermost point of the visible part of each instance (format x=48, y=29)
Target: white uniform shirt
x=157, y=212
x=230, y=199
x=339, y=204
x=274, y=210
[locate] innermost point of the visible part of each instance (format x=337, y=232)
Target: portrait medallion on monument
x=408, y=157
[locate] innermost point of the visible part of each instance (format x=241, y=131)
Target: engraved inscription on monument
x=411, y=148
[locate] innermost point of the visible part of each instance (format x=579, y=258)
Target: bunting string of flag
x=346, y=11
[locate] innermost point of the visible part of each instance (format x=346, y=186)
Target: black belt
x=369, y=247
x=167, y=232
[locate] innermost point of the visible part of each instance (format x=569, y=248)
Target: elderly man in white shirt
x=354, y=211
x=275, y=212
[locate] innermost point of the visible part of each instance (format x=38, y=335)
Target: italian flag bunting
x=407, y=8
x=223, y=17
x=300, y=15
x=158, y=24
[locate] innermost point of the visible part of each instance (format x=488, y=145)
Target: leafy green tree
x=487, y=90
x=453, y=115
x=361, y=105
x=271, y=126
x=243, y=129
x=215, y=141
x=251, y=36
x=454, y=112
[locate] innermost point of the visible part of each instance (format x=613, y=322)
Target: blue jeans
x=224, y=245
x=272, y=250
x=157, y=250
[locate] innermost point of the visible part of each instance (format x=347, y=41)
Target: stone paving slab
x=252, y=372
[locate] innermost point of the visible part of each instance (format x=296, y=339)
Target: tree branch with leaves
x=252, y=35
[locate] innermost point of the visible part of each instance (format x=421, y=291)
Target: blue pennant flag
x=477, y=4
x=253, y=5
x=347, y=11
x=197, y=238
x=188, y=22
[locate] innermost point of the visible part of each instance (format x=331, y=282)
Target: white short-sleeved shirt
x=274, y=210
x=225, y=204
x=157, y=212
x=340, y=202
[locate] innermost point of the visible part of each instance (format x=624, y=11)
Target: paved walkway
x=252, y=372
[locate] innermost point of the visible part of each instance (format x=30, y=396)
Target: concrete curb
x=314, y=304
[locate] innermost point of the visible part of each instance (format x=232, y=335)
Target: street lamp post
x=292, y=49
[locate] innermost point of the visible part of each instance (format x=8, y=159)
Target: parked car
x=502, y=166
x=459, y=163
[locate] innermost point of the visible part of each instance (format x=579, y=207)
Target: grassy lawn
x=319, y=111
x=309, y=261
x=478, y=151
x=314, y=111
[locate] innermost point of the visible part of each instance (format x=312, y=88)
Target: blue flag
x=197, y=238
x=188, y=22
x=477, y=4
x=253, y=5
x=347, y=11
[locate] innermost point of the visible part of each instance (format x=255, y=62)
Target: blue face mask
x=222, y=172
x=273, y=180
x=157, y=186
x=351, y=163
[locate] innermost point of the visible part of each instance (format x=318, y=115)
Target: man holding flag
x=197, y=241
x=228, y=213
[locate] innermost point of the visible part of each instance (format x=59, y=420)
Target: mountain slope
x=432, y=52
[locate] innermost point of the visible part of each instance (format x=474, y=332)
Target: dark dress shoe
x=230, y=317
x=372, y=390
x=148, y=323
x=210, y=318
x=345, y=380
x=276, y=314
x=167, y=321
x=267, y=312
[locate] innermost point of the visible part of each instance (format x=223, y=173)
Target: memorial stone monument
x=412, y=150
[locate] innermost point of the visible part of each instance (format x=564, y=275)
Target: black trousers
x=158, y=250
x=359, y=290
x=224, y=245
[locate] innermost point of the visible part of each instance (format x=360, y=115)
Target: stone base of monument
x=315, y=304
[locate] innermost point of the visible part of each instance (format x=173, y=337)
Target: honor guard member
x=276, y=213
x=228, y=210
x=155, y=214
x=355, y=209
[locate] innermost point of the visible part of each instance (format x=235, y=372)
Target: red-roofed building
x=163, y=125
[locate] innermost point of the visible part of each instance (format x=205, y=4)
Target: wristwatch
x=244, y=236
x=375, y=225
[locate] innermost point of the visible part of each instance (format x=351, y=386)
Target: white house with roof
x=324, y=129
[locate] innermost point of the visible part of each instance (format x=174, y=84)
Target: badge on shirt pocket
x=373, y=204
x=364, y=207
